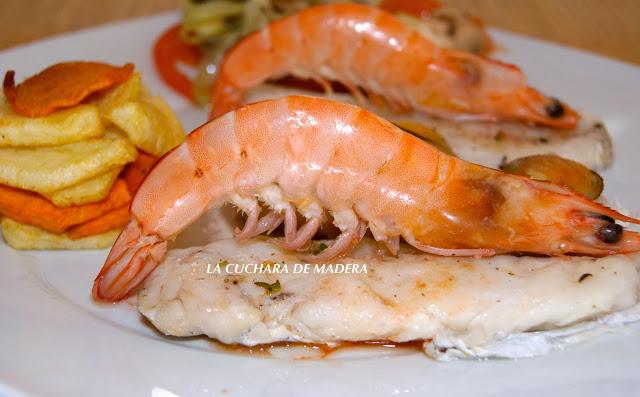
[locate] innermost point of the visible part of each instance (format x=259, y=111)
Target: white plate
x=55, y=341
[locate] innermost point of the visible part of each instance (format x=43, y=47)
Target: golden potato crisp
x=130, y=90
x=26, y=237
x=50, y=169
x=85, y=192
x=149, y=123
x=65, y=126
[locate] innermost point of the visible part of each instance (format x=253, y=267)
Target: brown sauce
x=320, y=350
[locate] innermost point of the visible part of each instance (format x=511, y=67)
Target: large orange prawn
x=316, y=157
x=366, y=48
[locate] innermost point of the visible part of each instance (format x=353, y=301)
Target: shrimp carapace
x=365, y=48
x=316, y=157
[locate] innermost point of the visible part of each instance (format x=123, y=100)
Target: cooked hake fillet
x=28, y=237
x=491, y=144
x=50, y=169
x=461, y=305
x=65, y=126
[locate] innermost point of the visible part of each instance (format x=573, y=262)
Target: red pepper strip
x=418, y=8
x=168, y=51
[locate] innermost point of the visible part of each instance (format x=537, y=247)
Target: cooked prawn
x=315, y=156
x=366, y=48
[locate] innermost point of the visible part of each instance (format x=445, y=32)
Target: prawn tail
x=130, y=260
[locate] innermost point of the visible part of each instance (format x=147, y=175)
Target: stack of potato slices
x=75, y=142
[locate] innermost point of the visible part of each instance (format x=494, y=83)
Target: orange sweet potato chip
x=134, y=173
x=109, y=221
x=61, y=86
x=29, y=207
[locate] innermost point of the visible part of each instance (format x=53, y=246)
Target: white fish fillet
x=490, y=144
x=503, y=306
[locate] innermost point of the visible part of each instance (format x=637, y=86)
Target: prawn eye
x=610, y=233
x=554, y=109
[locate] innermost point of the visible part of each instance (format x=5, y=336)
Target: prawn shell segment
x=312, y=157
x=370, y=51
x=62, y=85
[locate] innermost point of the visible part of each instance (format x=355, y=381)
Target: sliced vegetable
x=321, y=247
x=85, y=192
x=61, y=86
x=149, y=123
x=168, y=52
x=130, y=90
x=549, y=167
x=31, y=208
x=204, y=21
x=52, y=168
x=28, y=237
x=108, y=221
x=65, y=126
x=271, y=289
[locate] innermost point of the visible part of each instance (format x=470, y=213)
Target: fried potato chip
x=149, y=123
x=65, y=126
x=85, y=192
x=61, y=86
x=26, y=237
x=49, y=169
x=31, y=208
x=130, y=90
